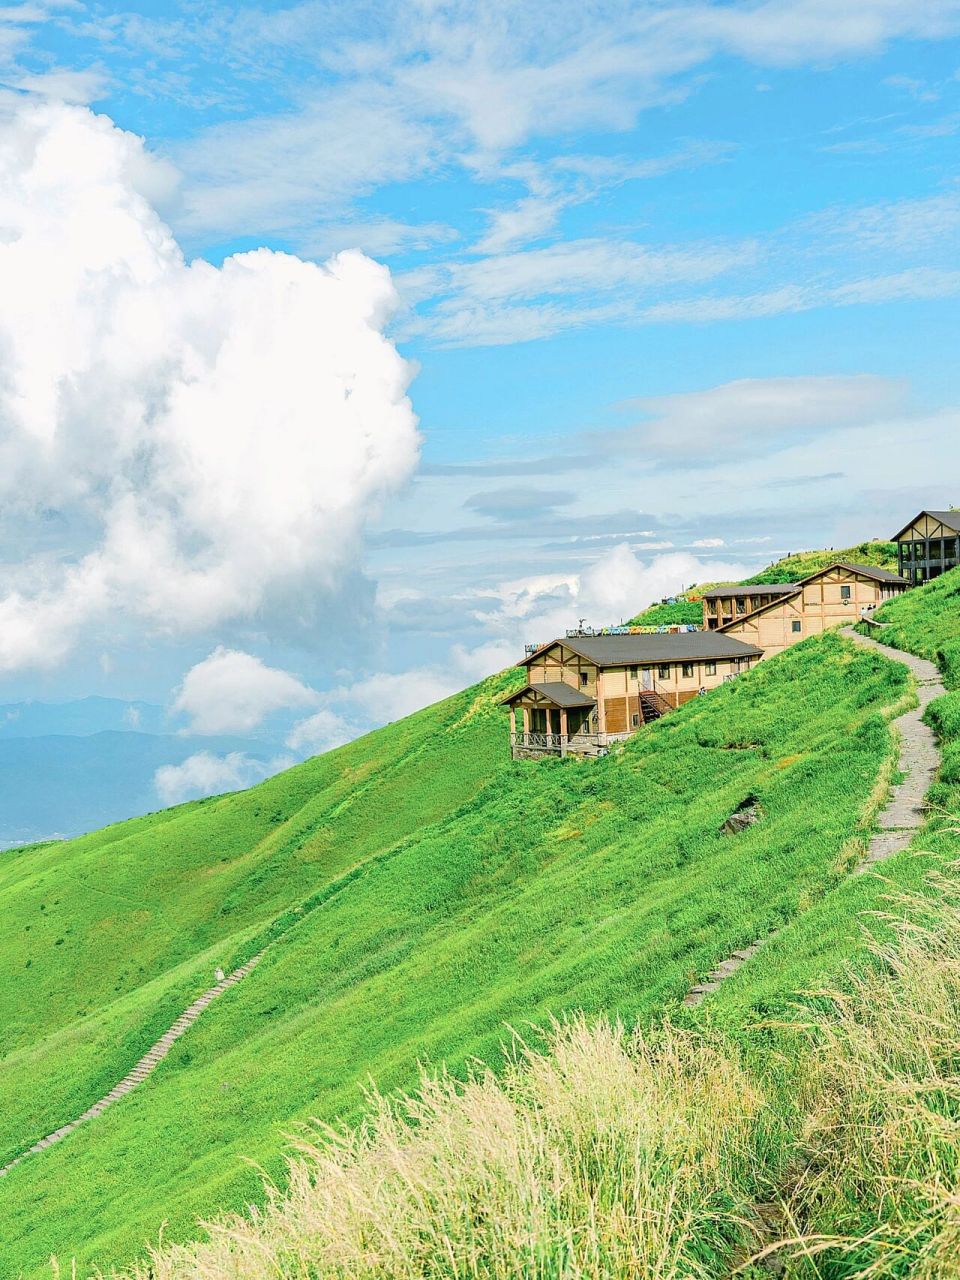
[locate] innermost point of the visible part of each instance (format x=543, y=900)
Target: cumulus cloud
x=212, y=439
x=206, y=774
x=322, y=731
x=232, y=692
x=613, y=588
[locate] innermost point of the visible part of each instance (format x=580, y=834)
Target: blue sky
x=676, y=285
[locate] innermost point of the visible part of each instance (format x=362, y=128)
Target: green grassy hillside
x=882, y=555
x=442, y=892
x=669, y=1153
x=665, y=615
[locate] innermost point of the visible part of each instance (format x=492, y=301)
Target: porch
x=528, y=745
x=555, y=719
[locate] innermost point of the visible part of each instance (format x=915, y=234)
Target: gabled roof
x=564, y=695
x=750, y=589
x=949, y=518
x=632, y=650
x=865, y=570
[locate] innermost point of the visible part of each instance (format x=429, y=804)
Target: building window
x=709, y=668
x=687, y=670
x=796, y=625
x=633, y=673
x=844, y=593
x=583, y=679
x=663, y=673
x=635, y=719
x=741, y=605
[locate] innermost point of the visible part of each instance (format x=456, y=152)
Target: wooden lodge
x=586, y=692
x=928, y=546
x=831, y=597
x=592, y=689
x=722, y=605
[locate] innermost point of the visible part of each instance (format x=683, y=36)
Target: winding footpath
x=147, y=1063
x=903, y=814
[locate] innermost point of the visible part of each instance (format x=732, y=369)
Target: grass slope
x=652, y=1155
x=820, y=945
x=665, y=615
x=109, y=936
x=445, y=892
x=882, y=555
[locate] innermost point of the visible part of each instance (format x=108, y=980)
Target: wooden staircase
x=653, y=705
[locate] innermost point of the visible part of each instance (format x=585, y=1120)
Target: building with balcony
x=928, y=546
x=828, y=598
x=585, y=692
x=722, y=605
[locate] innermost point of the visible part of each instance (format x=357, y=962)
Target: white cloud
x=206, y=774
x=322, y=731
x=611, y=589
x=214, y=439
x=708, y=542
x=511, y=297
x=414, y=87
x=895, y=225
x=276, y=173
x=741, y=415
x=232, y=692
x=386, y=696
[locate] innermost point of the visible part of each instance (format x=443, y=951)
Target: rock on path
x=904, y=811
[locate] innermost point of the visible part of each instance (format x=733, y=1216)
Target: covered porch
x=555, y=719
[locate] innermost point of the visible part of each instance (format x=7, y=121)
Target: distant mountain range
x=81, y=716
x=71, y=767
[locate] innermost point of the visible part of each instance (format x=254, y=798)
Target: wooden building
x=585, y=692
x=928, y=546
x=828, y=598
x=722, y=605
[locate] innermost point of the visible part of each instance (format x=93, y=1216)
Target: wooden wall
x=818, y=606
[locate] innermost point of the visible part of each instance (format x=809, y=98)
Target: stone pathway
x=904, y=811
x=146, y=1064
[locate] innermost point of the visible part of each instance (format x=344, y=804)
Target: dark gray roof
x=564, y=695
x=754, y=589
x=869, y=571
x=631, y=650
x=950, y=518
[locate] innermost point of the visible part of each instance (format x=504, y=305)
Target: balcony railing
x=561, y=743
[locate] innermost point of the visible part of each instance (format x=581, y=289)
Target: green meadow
x=665, y=615
x=420, y=893
x=805, y=1112
x=881, y=555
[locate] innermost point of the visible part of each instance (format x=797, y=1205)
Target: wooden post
x=601, y=711
x=563, y=733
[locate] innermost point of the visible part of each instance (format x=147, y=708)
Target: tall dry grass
x=607, y=1154
x=879, y=1192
